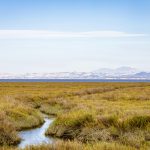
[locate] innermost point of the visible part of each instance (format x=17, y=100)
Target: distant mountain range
x=104, y=73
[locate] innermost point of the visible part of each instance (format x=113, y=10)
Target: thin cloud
x=40, y=34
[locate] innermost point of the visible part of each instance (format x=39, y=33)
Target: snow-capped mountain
x=104, y=73
x=118, y=71
x=143, y=75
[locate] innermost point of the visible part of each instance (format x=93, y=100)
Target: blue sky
x=73, y=35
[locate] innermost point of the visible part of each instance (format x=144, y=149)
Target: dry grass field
x=89, y=116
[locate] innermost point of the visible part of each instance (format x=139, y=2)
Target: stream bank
x=37, y=135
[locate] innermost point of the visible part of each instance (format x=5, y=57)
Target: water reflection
x=36, y=136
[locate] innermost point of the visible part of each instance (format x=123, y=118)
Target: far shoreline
x=74, y=80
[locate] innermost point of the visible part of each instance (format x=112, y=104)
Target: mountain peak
x=126, y=68
x=103, y=73
x=118, y=71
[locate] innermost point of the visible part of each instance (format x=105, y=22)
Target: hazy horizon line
x=33, y=34
x=111, y=68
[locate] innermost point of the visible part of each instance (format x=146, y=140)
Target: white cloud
x=27, y=34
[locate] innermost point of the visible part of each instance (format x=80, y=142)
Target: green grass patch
x=74, y=118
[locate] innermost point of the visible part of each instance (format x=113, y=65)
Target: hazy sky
x=73, y=35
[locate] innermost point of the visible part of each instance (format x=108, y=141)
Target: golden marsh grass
x=89, y=115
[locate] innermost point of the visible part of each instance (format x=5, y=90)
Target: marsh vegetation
x=89, y=116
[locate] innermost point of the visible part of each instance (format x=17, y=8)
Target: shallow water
x=36, y=136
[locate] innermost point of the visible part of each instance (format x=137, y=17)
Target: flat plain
x=88, y=116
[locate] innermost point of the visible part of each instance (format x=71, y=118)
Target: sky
x=73, y=35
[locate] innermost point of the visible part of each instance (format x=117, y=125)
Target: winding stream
x=36, y=136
